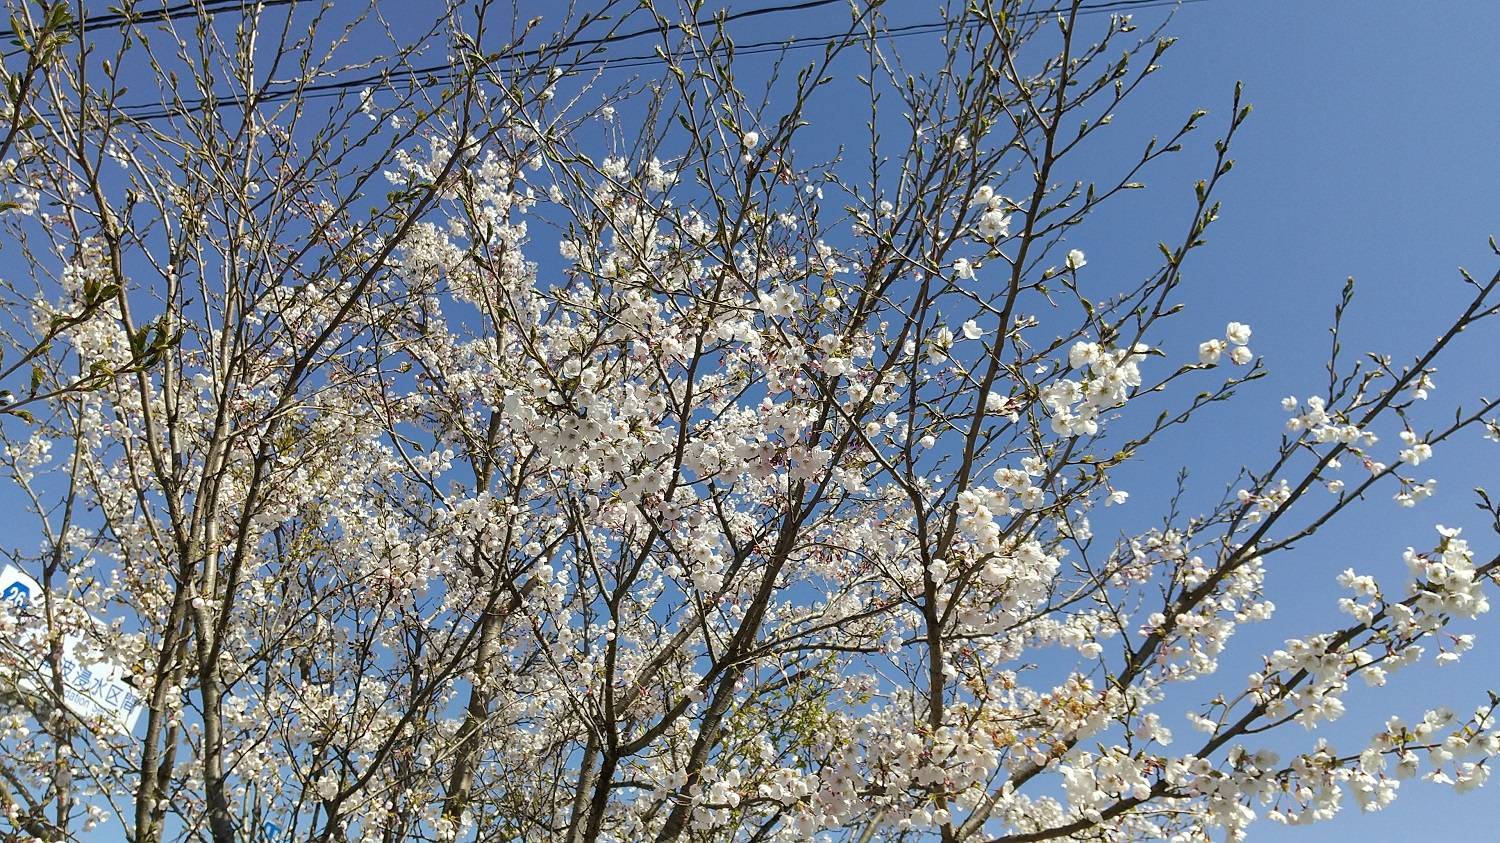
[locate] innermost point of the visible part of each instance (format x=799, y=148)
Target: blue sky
x=1367, y=155
x=1371, y=153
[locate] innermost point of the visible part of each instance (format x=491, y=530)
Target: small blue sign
x=17, y=594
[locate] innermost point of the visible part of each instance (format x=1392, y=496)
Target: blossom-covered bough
x=509, y=447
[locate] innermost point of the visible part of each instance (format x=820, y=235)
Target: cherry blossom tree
x=462, y=438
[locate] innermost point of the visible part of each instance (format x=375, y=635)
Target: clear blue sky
x=1373, y=151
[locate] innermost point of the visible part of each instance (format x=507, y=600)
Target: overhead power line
x=208, y=8
x=120, y=20
x=440, y=72
x=445, y=71
x=891, y=34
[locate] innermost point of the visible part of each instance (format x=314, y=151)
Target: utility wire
x=440, y=72
x=207, y=8
x=890, y=34
x=447, y=70
x=120, y=20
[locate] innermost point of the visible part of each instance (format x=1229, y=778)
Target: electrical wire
x=438, y=73
x=120, y=20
